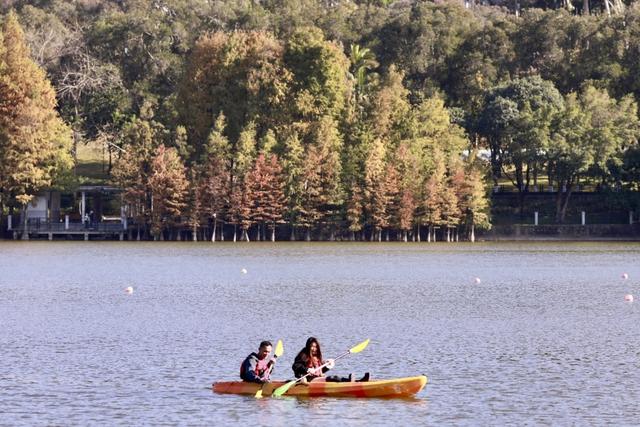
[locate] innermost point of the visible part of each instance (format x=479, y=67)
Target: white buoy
x=243, y=271
x=128, y=290
x=628, y=298
x=625, y=276
x=477, y=280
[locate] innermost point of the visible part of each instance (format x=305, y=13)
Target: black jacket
x=300, y=365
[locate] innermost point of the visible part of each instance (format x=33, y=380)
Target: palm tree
x=362, y=59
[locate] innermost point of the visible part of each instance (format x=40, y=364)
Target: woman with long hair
x=309, y=362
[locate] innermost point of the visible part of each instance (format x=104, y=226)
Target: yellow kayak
x=397, y=387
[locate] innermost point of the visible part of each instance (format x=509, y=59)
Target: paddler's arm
x=330, y=364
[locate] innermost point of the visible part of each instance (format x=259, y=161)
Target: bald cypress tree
x=168, y=186
x=35, y=143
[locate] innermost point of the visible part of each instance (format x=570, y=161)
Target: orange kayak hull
x=397, y=387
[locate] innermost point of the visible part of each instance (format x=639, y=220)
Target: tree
x=375, y=193
x=216, y=175
x=34, y=142
x=243, y=158
x=293, y=171
x=133, y=168
x=265, y=191
x=323, y=192
x=592, y=130
x=390, y=107
x=362, y=60
x=355, y=209
x=472, y=196
x=240, y=74
x=517, y=120
x=432, y=201
x=406, y=163
x=319, y=69
x=168, y=185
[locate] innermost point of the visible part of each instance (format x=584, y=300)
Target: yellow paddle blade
x=360, y=347
x=279, y=349
x=259, y=394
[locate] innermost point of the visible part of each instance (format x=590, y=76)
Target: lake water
x=545, y=338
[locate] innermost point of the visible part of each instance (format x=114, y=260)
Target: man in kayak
x=257, y=367
x=309, y=363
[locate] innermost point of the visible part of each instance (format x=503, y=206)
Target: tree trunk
x=25, y=232
x=562, y=199
x=563, y=212
x=235, y=232
x=472, y=235
x=273, y=232
x=292, y=237
x=520, y=185
x=307, y=236
x=215, y=227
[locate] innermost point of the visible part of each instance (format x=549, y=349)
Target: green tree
x=319, y=69
x=591, y=132
x=243, y=159
x=517, y=121
x=240, y=74
x=362, y=61
x=293, y=169
x=216, y=175
x=326, y=147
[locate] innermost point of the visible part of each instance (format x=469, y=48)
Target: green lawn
x=92, y=163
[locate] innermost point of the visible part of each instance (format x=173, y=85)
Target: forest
x=331, y=119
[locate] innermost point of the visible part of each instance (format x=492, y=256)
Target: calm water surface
x=545, y=338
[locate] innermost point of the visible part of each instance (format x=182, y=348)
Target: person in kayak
x=309, y=362
x=257, y=367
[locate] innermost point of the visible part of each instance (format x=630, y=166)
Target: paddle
x=276, y=354
x=284, y=388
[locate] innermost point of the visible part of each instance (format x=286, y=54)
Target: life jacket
x=314, y=362
x=261, y=370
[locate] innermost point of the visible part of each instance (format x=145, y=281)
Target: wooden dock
x=39, y=227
